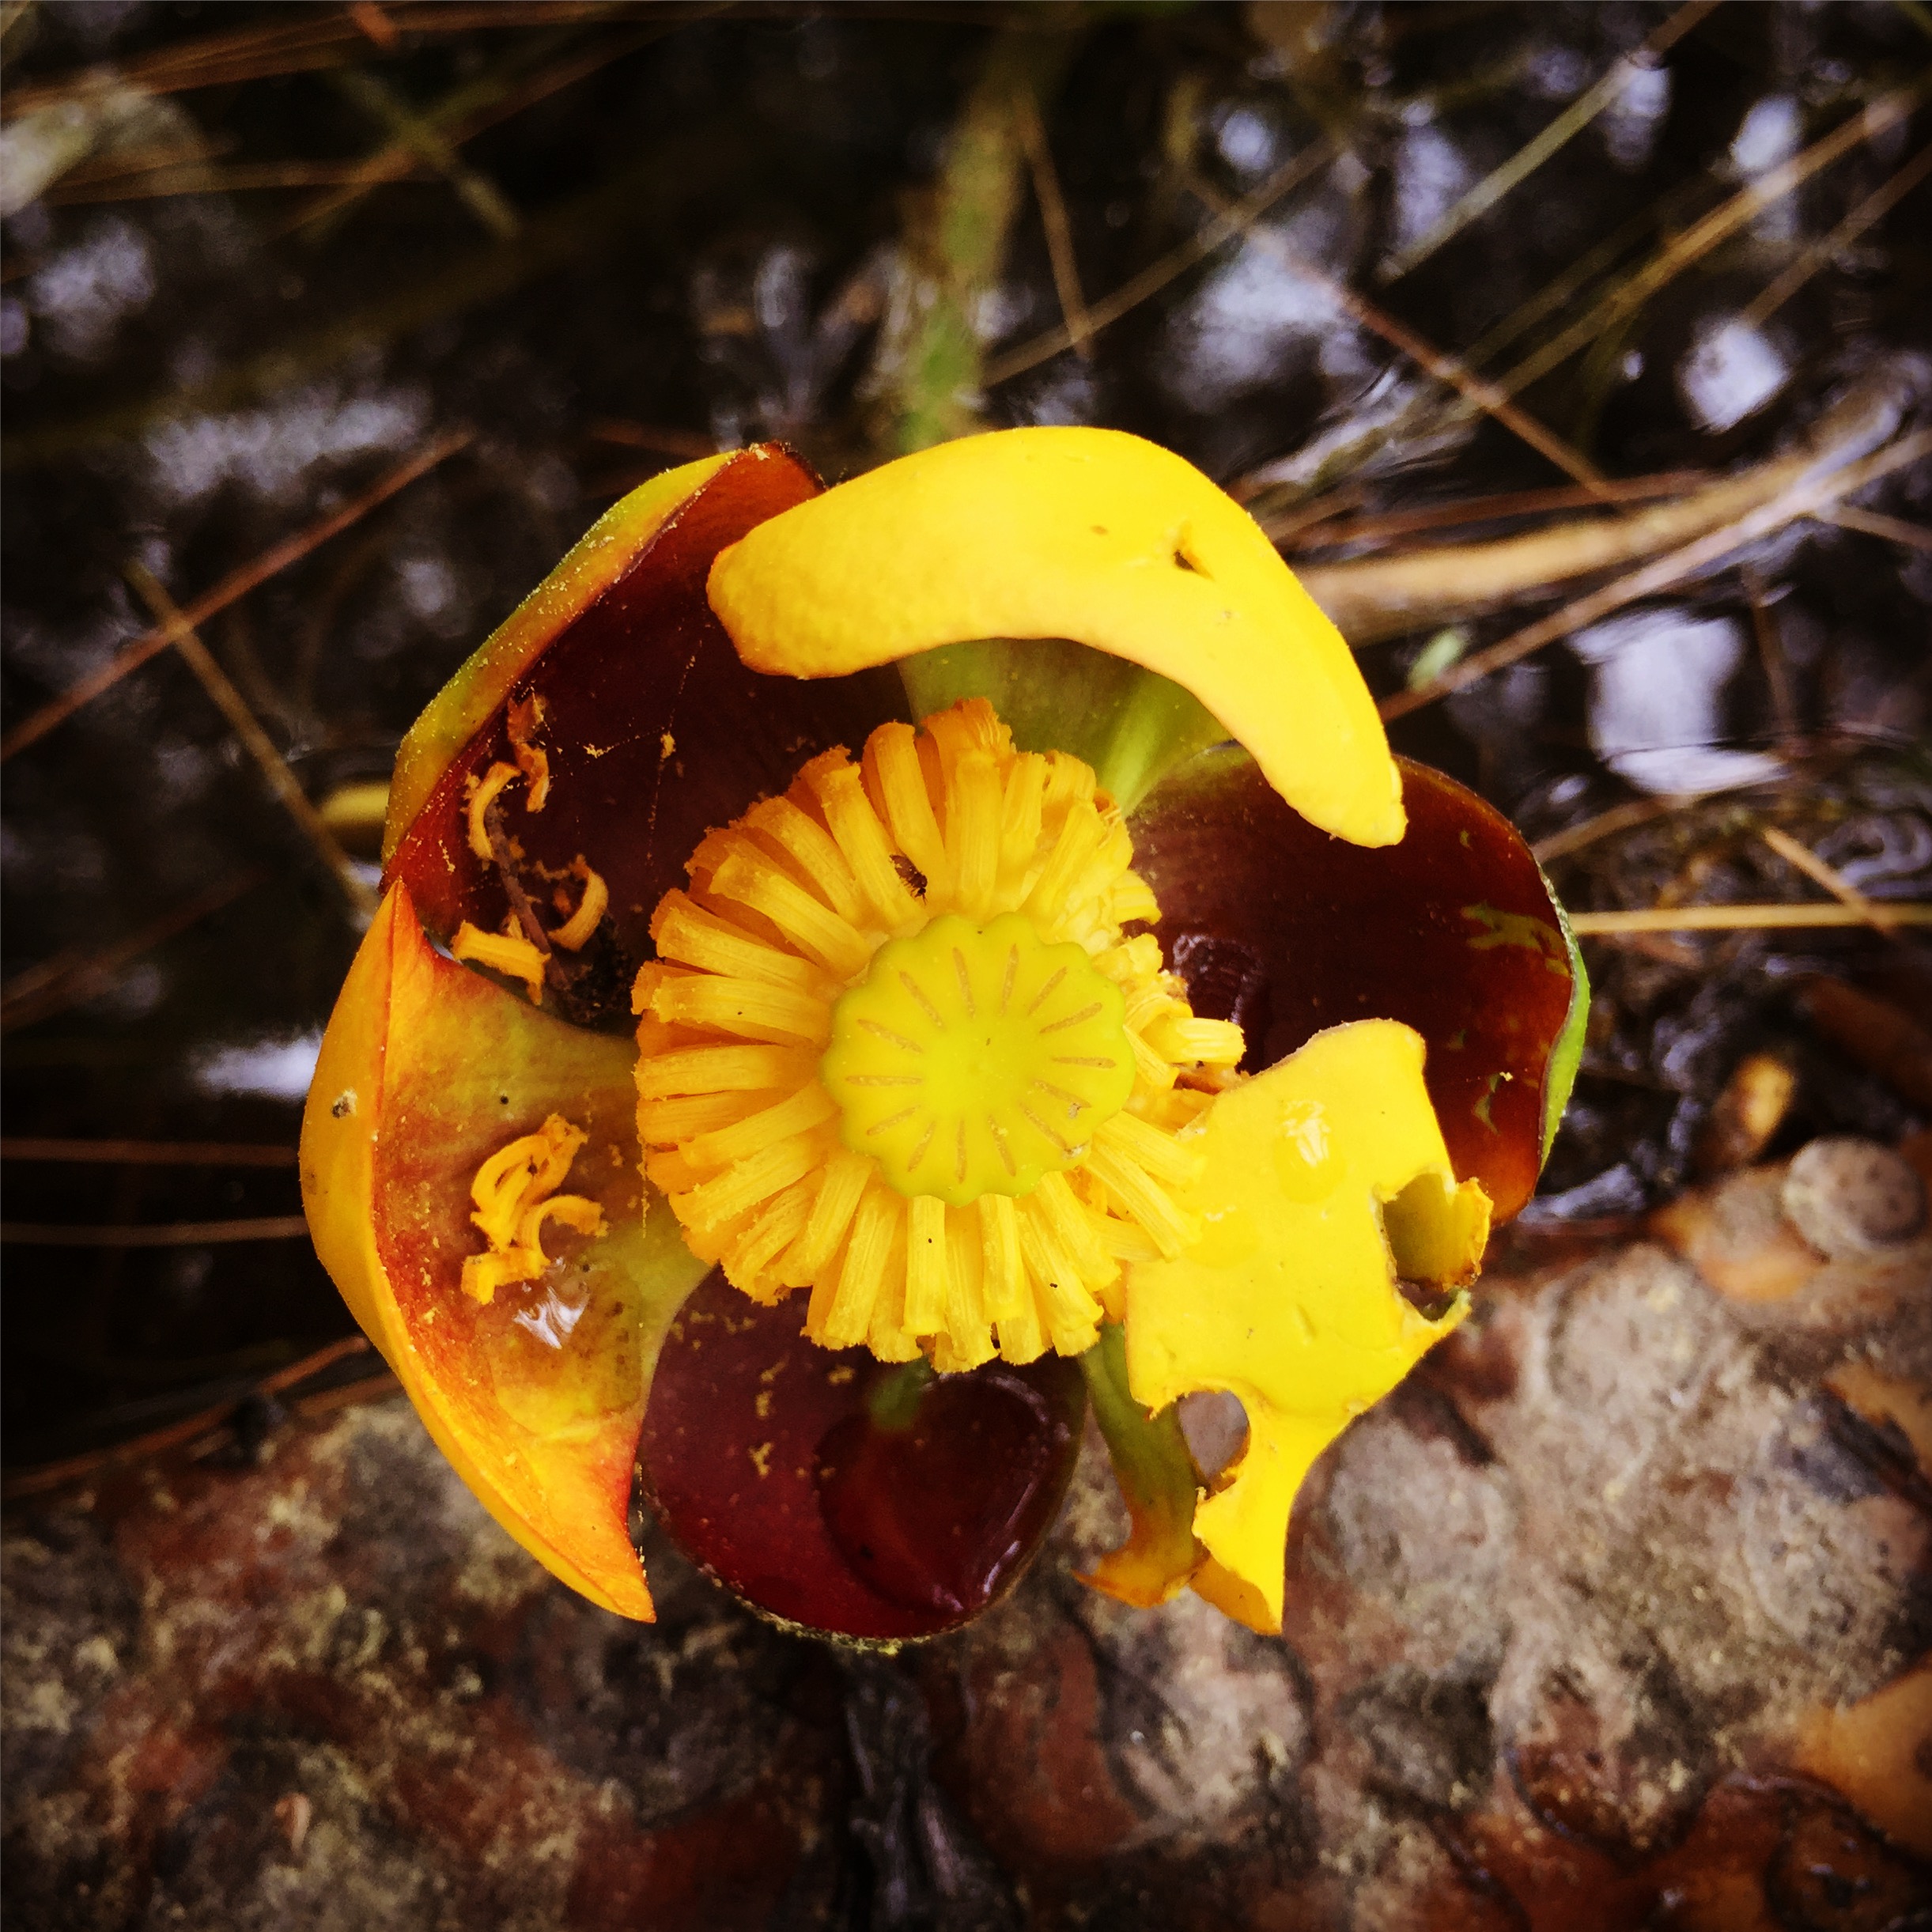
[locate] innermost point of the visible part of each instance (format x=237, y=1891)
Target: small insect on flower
x=866, y=973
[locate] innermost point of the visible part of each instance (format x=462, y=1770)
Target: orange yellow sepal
x=426, y=1072
x=1324, y=1177
x=1072, y=533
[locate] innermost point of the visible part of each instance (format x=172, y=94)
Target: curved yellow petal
x=427, y=1069
x=1085, y=534
x=460, y=709
x=1324, y=1178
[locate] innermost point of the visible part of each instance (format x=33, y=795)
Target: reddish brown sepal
x=761, y=1459
x=654, y=731
x=1452, y=931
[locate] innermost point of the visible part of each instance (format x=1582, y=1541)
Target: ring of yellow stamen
x=515, y=1192
x=939, y=842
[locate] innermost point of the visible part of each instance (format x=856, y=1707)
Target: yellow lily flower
x=800, y=1090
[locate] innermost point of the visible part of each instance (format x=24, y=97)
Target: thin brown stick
x=236, y=584
x=415, y=132
x=253, y=53
x=74, y=1468
x=1058, y=230
x=91, y=1462
x=153, y=1234
x=1771, y=655
x=1495, y=509
x=118, y=161
x=317, y=39
x=463, y=117
x=243, y=722
x=1664, y=574
x=687, y=445
x=1820, y=873
x=1622, y=817
x=1449, y=370
x=1376, y=597
x=71, y=977
x=369, y=1389
x=1158, y=273
x=1719, y=225
x=1874, y=523
x=1312, y=514
x=1563, y=129
x=312, y=1365
x=1733, y=919
x=1567, y=284
x=1878, y=203
x=147, y=1153
x=242, y=178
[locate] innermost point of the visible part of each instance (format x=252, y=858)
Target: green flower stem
x=1132, y=726
x=1158, y=1479
x=893, y=1403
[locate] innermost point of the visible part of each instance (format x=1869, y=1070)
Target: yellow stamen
x=896, y=1049
x=514, y=1193
x=484, y=793
x=508, y=953
x=525, y=720
x=576, y=932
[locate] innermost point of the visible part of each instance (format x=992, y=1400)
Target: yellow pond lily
x=867, y=971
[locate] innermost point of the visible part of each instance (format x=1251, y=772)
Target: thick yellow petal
x=1085, y=534
x=463, y=705
x=427, y=1069
x=1290, y=1300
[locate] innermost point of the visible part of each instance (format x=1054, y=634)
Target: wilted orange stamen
x=484, y=793
x=514, y=1193
x=575, y=932
x=525, y=719
x=508, y=953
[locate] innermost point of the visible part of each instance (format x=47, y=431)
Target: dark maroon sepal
x=1289, y=930
x=831, y=1491
x=654, y=730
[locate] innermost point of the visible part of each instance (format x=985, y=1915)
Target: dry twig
x=148, y=1153
x=1373, y=598
x=1058, y=230
x=153, y=1234
x=1132, y=292
x=1833, y=881
x=1565, y=128
x=1622, y=817
x=236, y=584
x=243, y=722
x=1878, y=203
x=1316, y=534
x=71, y=977
x=72, y=1468
x=1719, y=225
x=1807, y=499
x=1875, y=523
x=1449, y=370
x=1733, y=919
